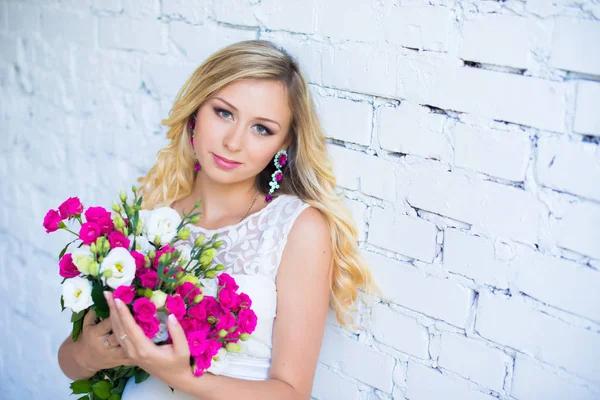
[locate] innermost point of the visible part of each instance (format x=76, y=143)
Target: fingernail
x=119, y=303
x=105, y=295
x=173, y=319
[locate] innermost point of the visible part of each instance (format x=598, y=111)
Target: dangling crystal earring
x=279, y=160
x=192, y=126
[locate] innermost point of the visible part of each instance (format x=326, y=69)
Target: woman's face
x=246, y=122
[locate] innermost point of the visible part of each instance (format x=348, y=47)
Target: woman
x=245, y=139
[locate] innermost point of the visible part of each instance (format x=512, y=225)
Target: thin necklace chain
x=249, y=208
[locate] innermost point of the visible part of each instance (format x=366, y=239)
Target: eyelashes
x=221, y=112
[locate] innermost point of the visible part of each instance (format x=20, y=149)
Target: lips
x=226, y=159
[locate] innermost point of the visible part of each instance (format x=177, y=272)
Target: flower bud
x=105, y=246
x=222, y=333
x=179, y=275
x=218, y=244
x=197, y=204
x=152, y=254
x=162, y=258
x=147, y=262
x=198, y=298
x=211, y=320
x=148, y=293
x=244, y=337
x=189, y=278
x=159, y=298
x=232, y=347
x=93, y=248
x=199, y=241
x=141, y=291
x=195, y=219
x=138, y=228
x=122, y=196
x=220, y=267
x=157, y=240
x=61, y=225
x=94, y=268
x=183, y=234
x=210, y=274
x=133, y=189
x=116, y=207
x=107, y=273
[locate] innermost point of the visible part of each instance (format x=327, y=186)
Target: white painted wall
x=464, y=133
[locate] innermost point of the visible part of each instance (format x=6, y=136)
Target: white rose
x=210, y=287
x=163, y=332
x=162, y=222
x=85, y=261
x=122, y=266
x=77, y=293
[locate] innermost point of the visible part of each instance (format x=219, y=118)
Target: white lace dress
x=251, y=252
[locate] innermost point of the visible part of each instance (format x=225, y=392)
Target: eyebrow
x=261, y=118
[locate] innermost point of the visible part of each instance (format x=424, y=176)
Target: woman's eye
x=261, y=129
x=223, y=113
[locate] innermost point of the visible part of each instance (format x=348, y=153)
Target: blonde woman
x=246, y=141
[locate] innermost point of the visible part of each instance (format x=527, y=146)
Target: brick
x=438, y=81
x=329, y=385
x=579, y=229
x=359, y=22
x=399, y=331
x=497, y=39
x=361, y=68
x=531, y=381
x=292, y=16
x=132, y=34
x=120, y=68
x=194, y=11
x=573, y=42
x=420, y=27
x=474, y=257
x=358, y=171
x=559, y=159
x=587, y=119
x=239, y=12
x=512, y=322
x=425, y=383
x=350, y=356
x=185, y=36
x=354, y=127
x=412, y=237
x=496, y=153
x=358, y=211
x=411, y=129
x=407, y=286
x=500, y=210
x=473, y=360
x=22, y=18
x=69, y=26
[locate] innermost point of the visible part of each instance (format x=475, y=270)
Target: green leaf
x=62, y=304
x=115, y=396
x=139, y=202
x=120, y=386
x=79, y=315
x=102, y=310
x=81, y=386
x=64, y=250
x=102, y=389
x=86, y=397
x=77, y=327
x=141, y=376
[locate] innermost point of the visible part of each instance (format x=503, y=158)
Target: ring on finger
x=106, y=343
x=123, y=336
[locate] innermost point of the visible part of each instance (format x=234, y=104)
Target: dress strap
x=287, y=215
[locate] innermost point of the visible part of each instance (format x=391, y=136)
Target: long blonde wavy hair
x=308, y=173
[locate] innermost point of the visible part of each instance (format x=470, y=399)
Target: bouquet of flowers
x=144, y=257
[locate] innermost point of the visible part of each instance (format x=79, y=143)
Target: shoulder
x=308, y=222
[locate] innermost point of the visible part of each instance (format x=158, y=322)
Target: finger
x=114, y=316
x=89, y=318
x=180, y=343
x=113, y=341
x=104, y=327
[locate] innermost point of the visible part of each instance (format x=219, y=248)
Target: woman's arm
x=70, y=363
x=303, y=290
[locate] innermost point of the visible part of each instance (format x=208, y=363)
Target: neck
x=221, y=200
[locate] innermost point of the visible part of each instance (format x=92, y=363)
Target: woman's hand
x=169, y=363
x=92, y=353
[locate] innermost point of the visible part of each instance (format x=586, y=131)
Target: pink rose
x=188, y=324
x=144, y=309
x=51, y=221
x=139, y=259
x=150, y=328
x=187, y=291
x=70, y=207
x=125, y=293
x=229, y=299
x=247, y=320
x=148, y=277
x=67, y=268
x=226, y=321
x=165, y=249
x=89, y=232
x=176, y=306
x=106, y=225
x=197, y=343
x=227, y=281
x=198, y=311
x=213, y=308
x=95, y=214
x=245, y=300
x=117, y=239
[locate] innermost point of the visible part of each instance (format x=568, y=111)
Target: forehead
x=258, y=98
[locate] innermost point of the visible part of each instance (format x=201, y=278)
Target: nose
x=234, y=138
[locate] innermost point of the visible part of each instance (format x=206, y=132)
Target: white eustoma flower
x=141, y=244
x=210, y=286
x=163, y=332
x=77, y=293
x=122, y=266
x=84, y=260
x=161, y=222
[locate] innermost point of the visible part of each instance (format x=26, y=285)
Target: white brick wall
x=464, y=136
